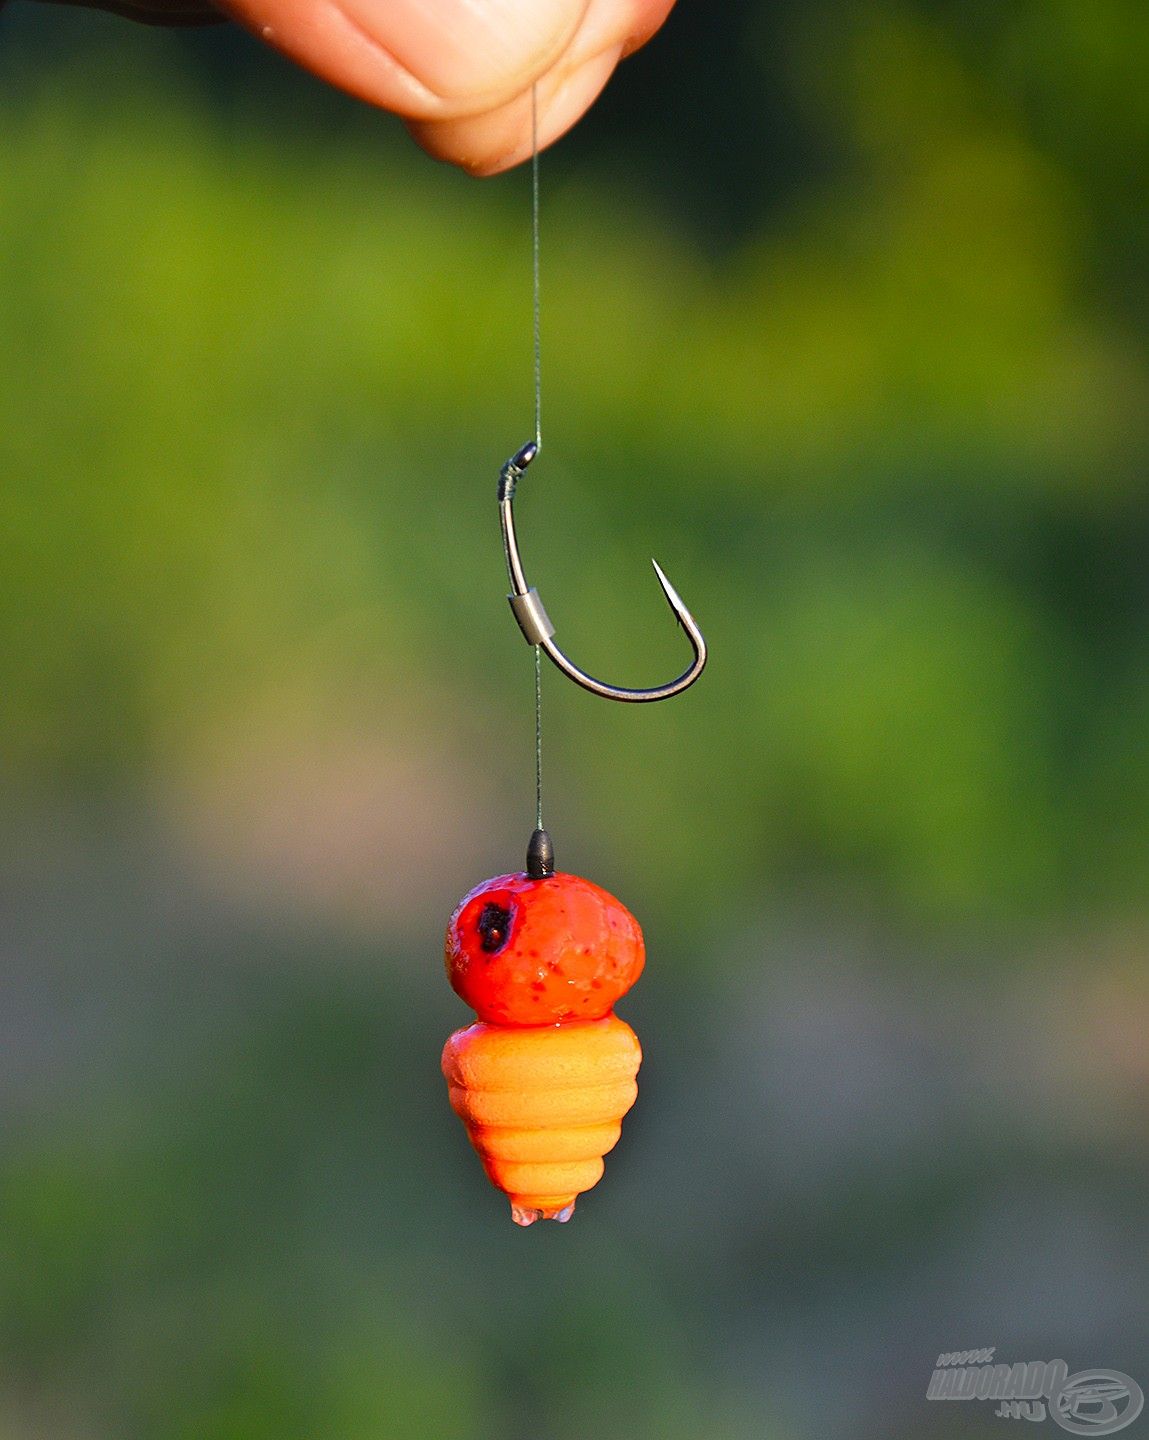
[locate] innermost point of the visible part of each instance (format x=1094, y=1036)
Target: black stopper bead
x=540, y=856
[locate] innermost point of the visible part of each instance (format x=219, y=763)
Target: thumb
x=460, y=71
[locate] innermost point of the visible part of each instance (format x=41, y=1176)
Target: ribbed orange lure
x=544, y=1077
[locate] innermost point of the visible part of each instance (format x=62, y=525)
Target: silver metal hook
x=536, y=625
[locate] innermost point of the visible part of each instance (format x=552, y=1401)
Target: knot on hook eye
x=536, y=625
x=511, y=473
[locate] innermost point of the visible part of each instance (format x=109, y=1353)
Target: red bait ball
x=522, y=951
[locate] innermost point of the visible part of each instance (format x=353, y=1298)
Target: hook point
x=673, y=598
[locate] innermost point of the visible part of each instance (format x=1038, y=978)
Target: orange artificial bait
x=544, y=1077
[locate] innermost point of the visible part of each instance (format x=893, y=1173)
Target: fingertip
x=649, y=18
x=486, y=145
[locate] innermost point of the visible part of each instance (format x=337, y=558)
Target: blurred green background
x=844, y=318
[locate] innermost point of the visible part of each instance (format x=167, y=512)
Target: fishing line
x=538, y=428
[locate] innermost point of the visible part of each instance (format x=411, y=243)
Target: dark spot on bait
x=494, y=927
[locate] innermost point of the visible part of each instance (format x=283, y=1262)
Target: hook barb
x=536, y=624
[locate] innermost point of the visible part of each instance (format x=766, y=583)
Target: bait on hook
x=544, y=1076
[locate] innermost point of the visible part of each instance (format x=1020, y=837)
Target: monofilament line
x=538, y=427
x=538, y=737
x=535, y=260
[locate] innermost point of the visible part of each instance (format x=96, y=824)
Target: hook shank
x=536, y=624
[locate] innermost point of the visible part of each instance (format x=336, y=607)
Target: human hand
x=460, y=72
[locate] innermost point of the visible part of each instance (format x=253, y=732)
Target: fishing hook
x=536, y=625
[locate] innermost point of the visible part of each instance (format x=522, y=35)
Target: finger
x=420, y=58
x=648, y=20
x=500, y=137
x=440, y=61
x=496, y=140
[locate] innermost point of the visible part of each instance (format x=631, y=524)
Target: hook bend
x=536, y=625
